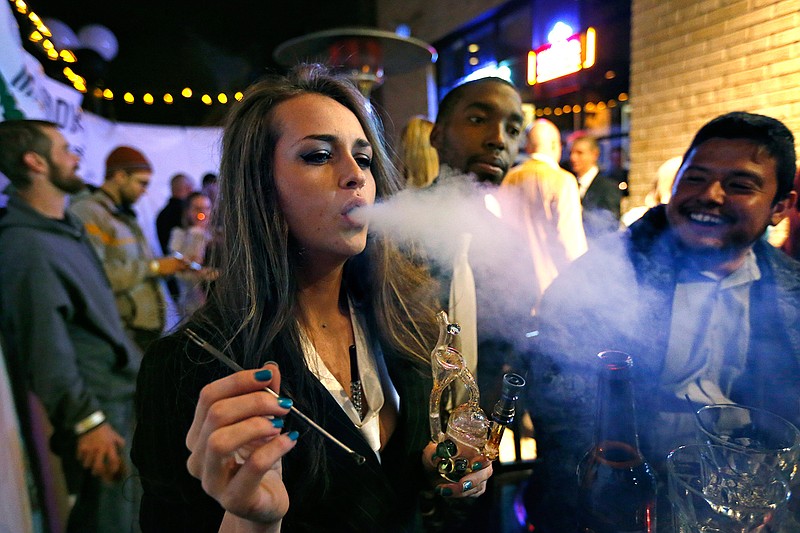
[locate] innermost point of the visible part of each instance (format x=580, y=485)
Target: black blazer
x=601, y=206
x=371, y=497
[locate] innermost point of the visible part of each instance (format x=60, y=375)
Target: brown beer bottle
x=616, y=485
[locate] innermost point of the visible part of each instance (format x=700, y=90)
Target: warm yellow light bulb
x=148, y=98
x=206, y=99
x=108, y=95
x=97, y=92
x=622, y=97
x=34, y=18
x=223, y=98
x=128, y=97
x=35, y=36
x=168, y=98
x=52, y=54
x=238, y=96
x=44, y=30
x=67, y=56
x=576, y=108
x=186, y=92
x=473, y=48
x=80, y=86
x=22, y=7
x=590, y=42
x=47, y=44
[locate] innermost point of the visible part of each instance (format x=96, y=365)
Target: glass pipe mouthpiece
x=503, y=412
x=447, y=366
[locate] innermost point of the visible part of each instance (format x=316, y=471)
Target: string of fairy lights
x=42, y=36
x=589, y=107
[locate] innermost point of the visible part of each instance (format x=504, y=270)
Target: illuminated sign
x=565, y=54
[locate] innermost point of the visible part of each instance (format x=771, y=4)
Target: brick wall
x=693, y=60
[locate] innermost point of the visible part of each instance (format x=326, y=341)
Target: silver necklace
x=356, y=389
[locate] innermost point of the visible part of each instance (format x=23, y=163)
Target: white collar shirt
x=374, y=379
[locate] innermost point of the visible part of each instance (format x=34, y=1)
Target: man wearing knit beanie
x=111, y=223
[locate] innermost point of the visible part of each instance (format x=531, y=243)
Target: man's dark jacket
x=618, y=296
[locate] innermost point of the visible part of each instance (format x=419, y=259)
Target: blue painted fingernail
x=466, y=486
x=447, y=491
x=277, y=422
x=264, y=375
x=285, y=403
x=476, y=466
x=293, y=435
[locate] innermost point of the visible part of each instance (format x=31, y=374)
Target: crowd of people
x=275, y=266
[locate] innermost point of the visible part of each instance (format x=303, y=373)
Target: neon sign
x=565, y=54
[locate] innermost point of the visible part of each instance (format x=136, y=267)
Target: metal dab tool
x=230, y=363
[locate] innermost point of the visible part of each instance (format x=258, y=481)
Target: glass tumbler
x=722, y=490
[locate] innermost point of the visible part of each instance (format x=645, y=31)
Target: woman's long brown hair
x=253, y=304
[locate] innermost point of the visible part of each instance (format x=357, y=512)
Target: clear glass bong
x=469, y=431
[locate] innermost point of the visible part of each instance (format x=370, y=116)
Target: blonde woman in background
x=420, y=162
x=190, y=241
x=660, y=193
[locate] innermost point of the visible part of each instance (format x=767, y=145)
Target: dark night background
x=211, y=47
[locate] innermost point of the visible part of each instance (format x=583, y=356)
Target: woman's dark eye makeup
x=317, y=157
x=320, y=157
x=364, y=161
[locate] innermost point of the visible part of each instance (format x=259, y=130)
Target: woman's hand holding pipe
x=236, y=447
x=471, y=485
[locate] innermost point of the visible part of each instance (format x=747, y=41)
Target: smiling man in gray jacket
x=62, y=328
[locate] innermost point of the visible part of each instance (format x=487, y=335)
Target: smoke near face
x=435, y=218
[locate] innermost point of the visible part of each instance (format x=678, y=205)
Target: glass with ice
x=719, y=489
x=774, y=439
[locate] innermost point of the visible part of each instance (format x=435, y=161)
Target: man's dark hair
x=766, y=131
x=585, y=137
x=17, y=137
x=208, y=178
x=177, y=177
x=448, y=103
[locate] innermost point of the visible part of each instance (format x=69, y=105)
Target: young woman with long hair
x=311, y=304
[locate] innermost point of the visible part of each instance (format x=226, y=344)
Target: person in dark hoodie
x=62, y=329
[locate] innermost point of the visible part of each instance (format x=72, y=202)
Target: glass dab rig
x=469, y=432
